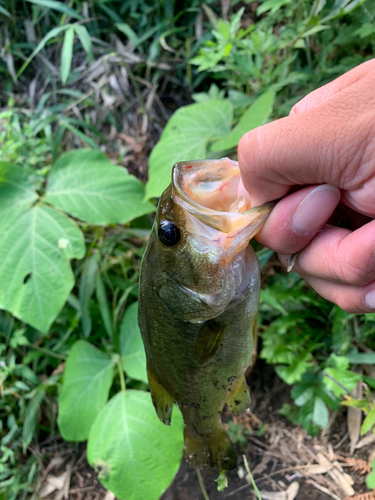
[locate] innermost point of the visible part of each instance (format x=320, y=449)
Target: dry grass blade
x=369, y=439
x=344, y=481
x=354, y=418
x=323, y=489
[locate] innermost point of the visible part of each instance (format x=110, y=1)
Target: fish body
x=199, y=294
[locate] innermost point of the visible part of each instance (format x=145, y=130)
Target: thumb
x=287, y=152
x=326, y=132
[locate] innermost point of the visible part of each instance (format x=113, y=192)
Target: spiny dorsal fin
x=209, y=339
x=161, y=398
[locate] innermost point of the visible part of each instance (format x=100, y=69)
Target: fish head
x=201, y=233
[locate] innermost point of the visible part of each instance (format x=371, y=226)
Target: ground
x=285, y=462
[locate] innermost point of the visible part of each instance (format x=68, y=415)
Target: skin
x=328, y=138
x=186, y=302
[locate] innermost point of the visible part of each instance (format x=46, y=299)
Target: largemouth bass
x=199, y=294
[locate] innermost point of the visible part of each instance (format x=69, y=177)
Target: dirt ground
x=285, y=462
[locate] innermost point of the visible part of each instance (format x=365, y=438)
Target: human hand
x=327, y=143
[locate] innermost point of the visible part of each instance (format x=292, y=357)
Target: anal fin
x=161, y=398
x=239, y=400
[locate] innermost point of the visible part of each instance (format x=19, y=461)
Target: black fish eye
x=168, y=233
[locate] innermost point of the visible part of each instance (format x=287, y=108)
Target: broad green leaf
x=368, y=422
x=136, y=455
x=35, y=274
x=86, y=289
x=87, y=380
x=58, y=6
x=88, y=186
x=186, y=137
x=253, y=117
x=320, y=415
x=15, y=192
x=66, y=55
x=131, y=345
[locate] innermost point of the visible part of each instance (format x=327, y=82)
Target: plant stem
x=121, y=374
x=251, y=477
x=201, y=484
x=48, y=352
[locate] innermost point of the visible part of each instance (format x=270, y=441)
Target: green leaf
x=342, y=7
x=31, y=417
x=58, y=6
x=271, y=5
x=347, y=379
x=88, y=186
x=85, y=40
x=267, y=297
x=87, y=380
x=320, y=414
x=15, y=192
x=358, y=358
x=293, y=373
x=66, y=55
x=131, y=345
x=368, y=422
x=51, y=34
x=370, y=480
x=104, y=305
x=67, y=123
x=5, y=12
x=185, y=138
x=253, y=117
x=127, y=31
x=222, y=480
x=136, y=455
x=86, y=289
x=35, y=274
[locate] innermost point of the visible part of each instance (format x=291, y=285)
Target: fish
x=198, y=304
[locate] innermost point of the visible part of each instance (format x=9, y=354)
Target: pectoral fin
x=239, y=400
x=161, y=399
x=209, y=340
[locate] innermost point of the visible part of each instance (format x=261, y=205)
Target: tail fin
x=215, y=451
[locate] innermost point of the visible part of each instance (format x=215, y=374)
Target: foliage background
x=90, y=85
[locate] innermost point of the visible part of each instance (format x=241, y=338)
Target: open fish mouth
x=207, y=190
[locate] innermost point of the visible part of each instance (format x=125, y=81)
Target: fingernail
x=314, y=210
x=370, y=299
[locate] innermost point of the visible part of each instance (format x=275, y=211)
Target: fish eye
x=168, y=233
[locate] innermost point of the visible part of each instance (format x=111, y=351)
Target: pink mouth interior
x=212, y=184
